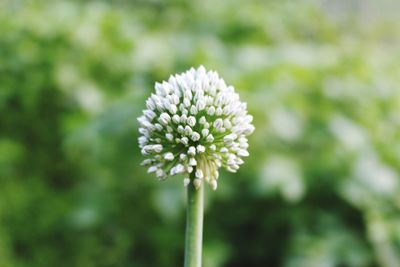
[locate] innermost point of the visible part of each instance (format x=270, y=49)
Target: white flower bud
x=157, y=127
x=193, y=110
x=205, y=132
x=191, y=121
x=149, y=114
x=218, y=111
x=201, y=149
x=164, y=118
x=175, y=99
x=214, y=184
x=191, y=151
x=181, y=130
x=218, y=123
x=195, y=136
x=179, y=169
x=169, y=136
x=157, y=148
x=146, y=162
x=199, y=174
x=211, y=111
x=172, y=109
x=150, y=104
x=202, y=120
x=183, y=118
x=186, y=182
x=176, y=119
x=188, y=130
x=185, y=140
x=200, y=105
x=189, y=169
x=230, y=137
x=186, y=102
x=243, y=153
x=169, y=156
x=143, y=141
x=188, y=94
x=227, y=124
x=192, y=162
x=152, y=169
x=197, y=183
x=160, y=174
x=182, y=108
x=246, y=130
x=210, y=138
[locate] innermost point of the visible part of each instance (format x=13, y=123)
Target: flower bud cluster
x=193, y=125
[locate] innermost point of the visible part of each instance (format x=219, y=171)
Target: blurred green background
x=321, y=187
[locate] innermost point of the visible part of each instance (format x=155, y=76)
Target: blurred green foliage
x=321, y=187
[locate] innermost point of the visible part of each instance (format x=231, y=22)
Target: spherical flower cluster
x=194, y=124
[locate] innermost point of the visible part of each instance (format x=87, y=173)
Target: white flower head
x=194, y=123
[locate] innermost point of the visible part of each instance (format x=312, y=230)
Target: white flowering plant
x=194, y=124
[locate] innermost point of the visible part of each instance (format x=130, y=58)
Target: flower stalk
x=194, y=225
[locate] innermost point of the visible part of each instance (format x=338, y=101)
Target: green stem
x=194, y=225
